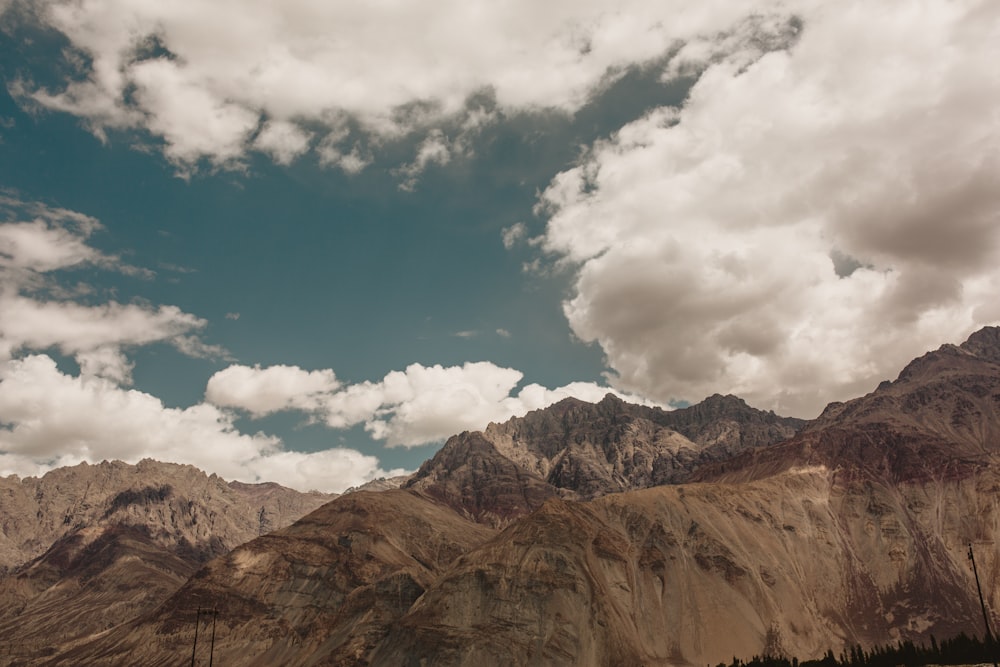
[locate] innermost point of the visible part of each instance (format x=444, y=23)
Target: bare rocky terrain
x=611, y=534
x=87, y=547
x=577, y=450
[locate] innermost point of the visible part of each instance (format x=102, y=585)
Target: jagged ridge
x=580, y=450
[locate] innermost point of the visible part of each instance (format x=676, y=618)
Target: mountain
x=99, y=544
x=854, y=529
x=612, y=446
x=580, y=450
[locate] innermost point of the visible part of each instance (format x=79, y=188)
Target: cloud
x=38, y=246
x=262, y=391
x=37, y=238
x=417, y=406
x=331, y=470
x=52, y=239
x=49, y=419
x=352, y=162
x=106, y=362
x=202, y=78
x=332, y=151
x=429, y=403
x=282, y=140
x=816, y=214
x=38, y=312
x=74, y=328
x=435, y=149
x=511, y=235
x=193, y=122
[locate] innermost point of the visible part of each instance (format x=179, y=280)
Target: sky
x=306, y=241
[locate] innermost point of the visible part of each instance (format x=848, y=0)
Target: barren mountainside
x=99, y=544
x=852, y=529
x=695, y=574
x=322, y=591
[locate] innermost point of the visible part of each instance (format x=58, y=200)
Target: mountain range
x=581, y=534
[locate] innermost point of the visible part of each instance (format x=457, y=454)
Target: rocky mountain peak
x=575, y=449
x=984, y=343
x=982, y=346
x=470, y=475
x=726, y=402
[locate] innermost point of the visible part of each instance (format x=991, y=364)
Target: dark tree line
x=960, y=650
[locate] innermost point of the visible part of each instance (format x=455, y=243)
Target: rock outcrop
x=939, y=420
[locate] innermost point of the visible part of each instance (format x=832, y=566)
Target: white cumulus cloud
x=262, y=391
x=283, y=140
x=416, y=406
x=49, y=418
x=810, y=219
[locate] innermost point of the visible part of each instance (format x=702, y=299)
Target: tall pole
x=194, y=647
x=982, y=604
x=211, y=654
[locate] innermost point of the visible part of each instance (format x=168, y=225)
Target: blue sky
x=306, y=243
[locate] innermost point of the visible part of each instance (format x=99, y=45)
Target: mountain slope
x=103, y=543
x=323, y=591
x=695, y=574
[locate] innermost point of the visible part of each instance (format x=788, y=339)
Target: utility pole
x=211, y=653
x=982, y=604
x=194, y=647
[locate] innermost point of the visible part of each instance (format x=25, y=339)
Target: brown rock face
x=471, y=476
x=626, y=446
x=100, y=544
